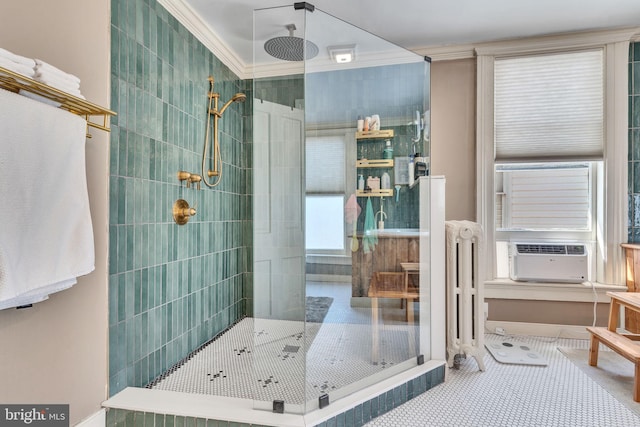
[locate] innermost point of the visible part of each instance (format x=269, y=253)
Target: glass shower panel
x=371, y=330
x=335, y=315
x=278, y=200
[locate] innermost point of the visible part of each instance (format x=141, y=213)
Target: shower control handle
x=182, y=212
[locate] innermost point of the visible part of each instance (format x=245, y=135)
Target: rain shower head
x=291, y=48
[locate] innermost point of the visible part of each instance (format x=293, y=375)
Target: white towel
x=37, y=295
x=28, y=62
x=46, y=238
x=39, y=98
x=62, y=87
x=42, y=66
x=16, y=67
x=54, y=78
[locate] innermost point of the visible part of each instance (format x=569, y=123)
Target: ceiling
x=419, y=24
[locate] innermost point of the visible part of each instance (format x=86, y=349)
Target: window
x=550, y=161
x=325, y=193
x=544, y=197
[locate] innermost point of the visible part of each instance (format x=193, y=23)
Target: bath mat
x=614, y=373
x=515, y=353
x=317, y=308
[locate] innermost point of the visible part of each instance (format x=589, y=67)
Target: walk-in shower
x=283, y=298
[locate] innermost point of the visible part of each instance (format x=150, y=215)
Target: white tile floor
x=559, y=394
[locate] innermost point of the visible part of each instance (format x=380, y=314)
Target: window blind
x=547, y=199
x=325, y=165
x=549, y=106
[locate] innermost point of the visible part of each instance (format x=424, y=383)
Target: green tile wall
x=634, y=143
x=171, y=288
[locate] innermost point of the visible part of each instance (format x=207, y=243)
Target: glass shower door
x=331, y=320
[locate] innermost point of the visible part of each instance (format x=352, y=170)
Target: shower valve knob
x=185, y=176
x=196, y=179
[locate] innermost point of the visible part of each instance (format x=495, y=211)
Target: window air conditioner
x=549, y=262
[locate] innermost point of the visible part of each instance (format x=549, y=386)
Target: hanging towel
x=351, y=210
x=46, y=237
x=369, y=239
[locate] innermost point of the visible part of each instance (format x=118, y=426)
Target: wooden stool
x=624, y=344
x=390, y=285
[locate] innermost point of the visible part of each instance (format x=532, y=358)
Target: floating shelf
x=373, y=134
x=375, y=193
x=14, y=82
x=376, y=163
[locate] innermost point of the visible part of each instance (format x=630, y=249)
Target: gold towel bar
x=13, y=82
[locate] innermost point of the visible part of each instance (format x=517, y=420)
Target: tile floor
x=559, y=394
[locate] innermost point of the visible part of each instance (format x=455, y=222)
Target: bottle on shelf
x=360, y=182
x=385, y=181
x=387, y=153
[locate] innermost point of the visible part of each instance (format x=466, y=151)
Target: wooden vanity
x=395, y=246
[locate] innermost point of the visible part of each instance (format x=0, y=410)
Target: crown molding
x=576, y=40
x=447, y=53
x=180, y=10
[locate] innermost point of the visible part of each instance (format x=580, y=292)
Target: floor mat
x=515, y=353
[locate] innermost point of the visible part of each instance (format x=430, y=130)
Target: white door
x=278, y=216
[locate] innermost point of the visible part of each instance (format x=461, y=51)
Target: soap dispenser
x=387, y=153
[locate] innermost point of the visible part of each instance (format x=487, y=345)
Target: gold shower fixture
x=217, y=157
x=182, y=212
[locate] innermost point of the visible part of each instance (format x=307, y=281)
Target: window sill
x=328, y=259
x=575, y=292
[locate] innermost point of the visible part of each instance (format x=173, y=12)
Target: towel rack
x=14, y=82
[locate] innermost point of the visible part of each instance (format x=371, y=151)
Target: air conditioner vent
x=544, y=249
x=575, y=249
x=550, y=262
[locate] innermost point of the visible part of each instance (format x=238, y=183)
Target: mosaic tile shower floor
x=273, y=366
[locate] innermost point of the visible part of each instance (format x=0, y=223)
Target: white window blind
x=547, y=199
x=549, y=106
x=325, y=165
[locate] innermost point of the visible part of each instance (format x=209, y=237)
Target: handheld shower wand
x=217, y=157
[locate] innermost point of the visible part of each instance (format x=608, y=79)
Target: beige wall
x=56, y=352
x=550, y=312
x=453, y=124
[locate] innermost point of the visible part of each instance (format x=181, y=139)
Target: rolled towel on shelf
x=60, y=84
x=54, y=79
x=56, y=84
x=16, y=67
x=45, y=67
x=23, y=60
